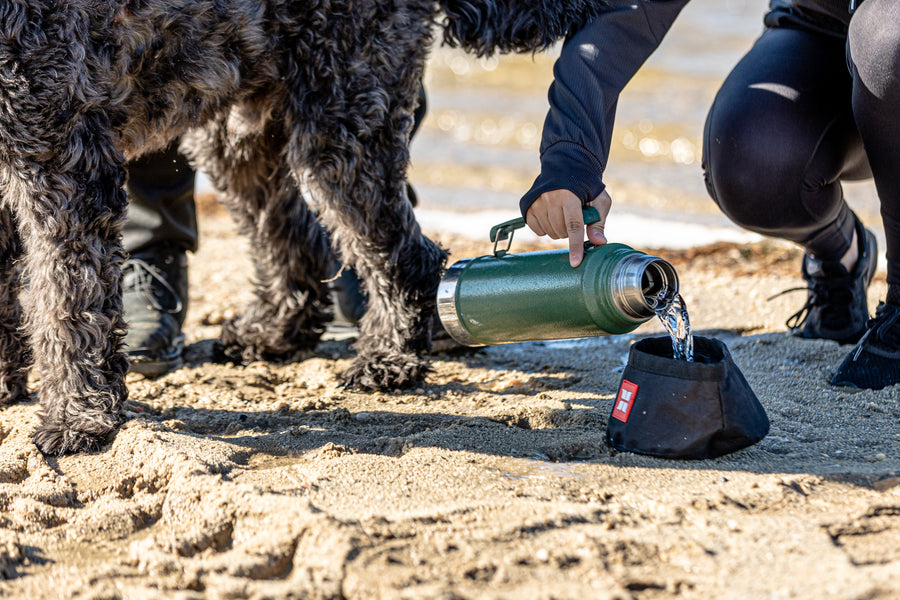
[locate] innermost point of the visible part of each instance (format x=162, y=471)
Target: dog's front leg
x=70, y=225
x=377, y=233
x=350, y=127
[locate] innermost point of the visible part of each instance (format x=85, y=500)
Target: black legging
x=792, y=121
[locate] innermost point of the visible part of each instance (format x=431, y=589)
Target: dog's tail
x=488, y=26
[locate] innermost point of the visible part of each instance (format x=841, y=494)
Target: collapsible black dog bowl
x=677, y=409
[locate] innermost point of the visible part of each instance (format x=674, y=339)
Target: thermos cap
x=446, y=304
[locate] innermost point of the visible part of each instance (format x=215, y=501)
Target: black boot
x=155, y=288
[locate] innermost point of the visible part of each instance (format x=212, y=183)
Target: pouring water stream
x=674, y=317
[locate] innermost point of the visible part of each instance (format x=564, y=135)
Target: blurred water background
x=477, y=150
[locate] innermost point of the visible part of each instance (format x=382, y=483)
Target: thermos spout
x=642, y=285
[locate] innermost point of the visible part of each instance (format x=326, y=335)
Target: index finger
x=575, y=230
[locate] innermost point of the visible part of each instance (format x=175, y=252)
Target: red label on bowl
x=625, y=400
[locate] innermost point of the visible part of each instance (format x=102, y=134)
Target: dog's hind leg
x=15, y=355
x=289, y=249
x=70, y=226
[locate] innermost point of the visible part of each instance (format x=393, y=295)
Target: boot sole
x=157, y=366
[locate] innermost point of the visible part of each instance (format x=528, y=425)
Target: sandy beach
x=491, y=480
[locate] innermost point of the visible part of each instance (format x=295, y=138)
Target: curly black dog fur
x=264, y=94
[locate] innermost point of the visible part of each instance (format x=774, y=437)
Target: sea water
x=675, y=319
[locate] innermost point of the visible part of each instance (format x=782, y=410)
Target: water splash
x=675, y=319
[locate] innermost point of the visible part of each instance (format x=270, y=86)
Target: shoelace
x=144, y=276
x=886, y=317
x=820, y=292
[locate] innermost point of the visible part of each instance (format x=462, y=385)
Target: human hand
x=557, y=214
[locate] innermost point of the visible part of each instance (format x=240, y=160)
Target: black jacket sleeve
x=594, y=65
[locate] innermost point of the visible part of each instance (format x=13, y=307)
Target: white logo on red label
x=625, y=400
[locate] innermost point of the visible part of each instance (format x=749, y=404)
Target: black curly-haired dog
x=263, y=93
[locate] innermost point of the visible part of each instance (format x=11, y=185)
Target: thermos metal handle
x=504, y=231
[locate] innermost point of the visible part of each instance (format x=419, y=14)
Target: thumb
x=596, y=232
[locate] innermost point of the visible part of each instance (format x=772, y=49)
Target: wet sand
x=491, y=480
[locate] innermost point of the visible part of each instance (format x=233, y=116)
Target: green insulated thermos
x=532, y=296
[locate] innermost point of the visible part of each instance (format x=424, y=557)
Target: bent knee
x=745, y=172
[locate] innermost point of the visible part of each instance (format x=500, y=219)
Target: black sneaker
x=348, y=301
x=154, y=284
x=875, y=362
x=347, y=295
x=836, y=306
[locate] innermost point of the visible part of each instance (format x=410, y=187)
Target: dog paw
x=59, y=439
x=13, y=389
x=242, y=343
x=385, y=373
x=244, y=355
